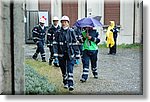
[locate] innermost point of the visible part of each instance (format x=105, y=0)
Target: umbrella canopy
x=87, y=22
x=97, y=18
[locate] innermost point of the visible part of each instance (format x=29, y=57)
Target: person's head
x=88, y=28
x=42, y=21
x=65, y=21
x=55, y=20
x=112, y=23
x=42, y=24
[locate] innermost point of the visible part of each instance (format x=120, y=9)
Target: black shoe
x=56, y=64
x=96, y=76
x=50, y=62
x=34, y=56
x=82, y=80
x=109, y=53
x=113, y=53
x=43, y=60
x=71, y=88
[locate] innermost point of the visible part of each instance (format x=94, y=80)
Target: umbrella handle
x=87, y=33
x=87, y=38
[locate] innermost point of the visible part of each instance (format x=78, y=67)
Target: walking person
x=66, y=49
x=111, y=38
x=78, y=33
x=50, y=39
x=90, y=51
x=39, y=32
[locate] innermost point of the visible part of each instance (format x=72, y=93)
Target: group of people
x=67, y=45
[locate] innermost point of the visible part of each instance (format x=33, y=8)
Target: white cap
x=42, y=20
x=65, y=18
x=55, y=18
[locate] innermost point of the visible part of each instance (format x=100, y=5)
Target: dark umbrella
x=88, y=22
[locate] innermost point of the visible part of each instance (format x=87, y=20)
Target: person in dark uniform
x=78, y=33
x=66, y=49
x=39, y=32
x=90, y=51
x=50, y=38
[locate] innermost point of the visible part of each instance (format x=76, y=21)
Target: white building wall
x=32, y=4
x=126, y=22
x=81, y=9
x=93, y=8
x=56, y=9
x=138, y=20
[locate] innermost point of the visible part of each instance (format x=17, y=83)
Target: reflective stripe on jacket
x=65, y=42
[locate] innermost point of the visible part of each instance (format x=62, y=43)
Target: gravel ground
x=118, y=74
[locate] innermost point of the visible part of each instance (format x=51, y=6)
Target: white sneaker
x=66, y=86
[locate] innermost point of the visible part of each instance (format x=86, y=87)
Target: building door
x=111, y=11
x=70, y=9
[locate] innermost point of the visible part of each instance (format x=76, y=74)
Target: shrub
x=36, y=84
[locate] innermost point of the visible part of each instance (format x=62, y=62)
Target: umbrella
x=77, y=24
x=88, y=22
x=97, y=18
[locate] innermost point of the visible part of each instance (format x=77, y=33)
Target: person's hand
x=89, y=37
x=111, y=30
x=106, y=38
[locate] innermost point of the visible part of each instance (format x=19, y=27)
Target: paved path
x=118, y=74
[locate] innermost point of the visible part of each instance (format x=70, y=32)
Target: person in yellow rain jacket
x=111, y=37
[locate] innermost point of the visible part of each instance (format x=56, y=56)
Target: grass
x=53, y=74
x=124, y=46
x=130, y=46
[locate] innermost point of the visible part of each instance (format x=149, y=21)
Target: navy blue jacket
x=38, y=33
x=65, y=42
x=51, y=34
x=78, y=33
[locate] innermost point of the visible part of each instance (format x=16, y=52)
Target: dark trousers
x=40, y=49
x=112, y=50
x=66, y=66
x=51, y=53
x=80, y=48
x=89, y=56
